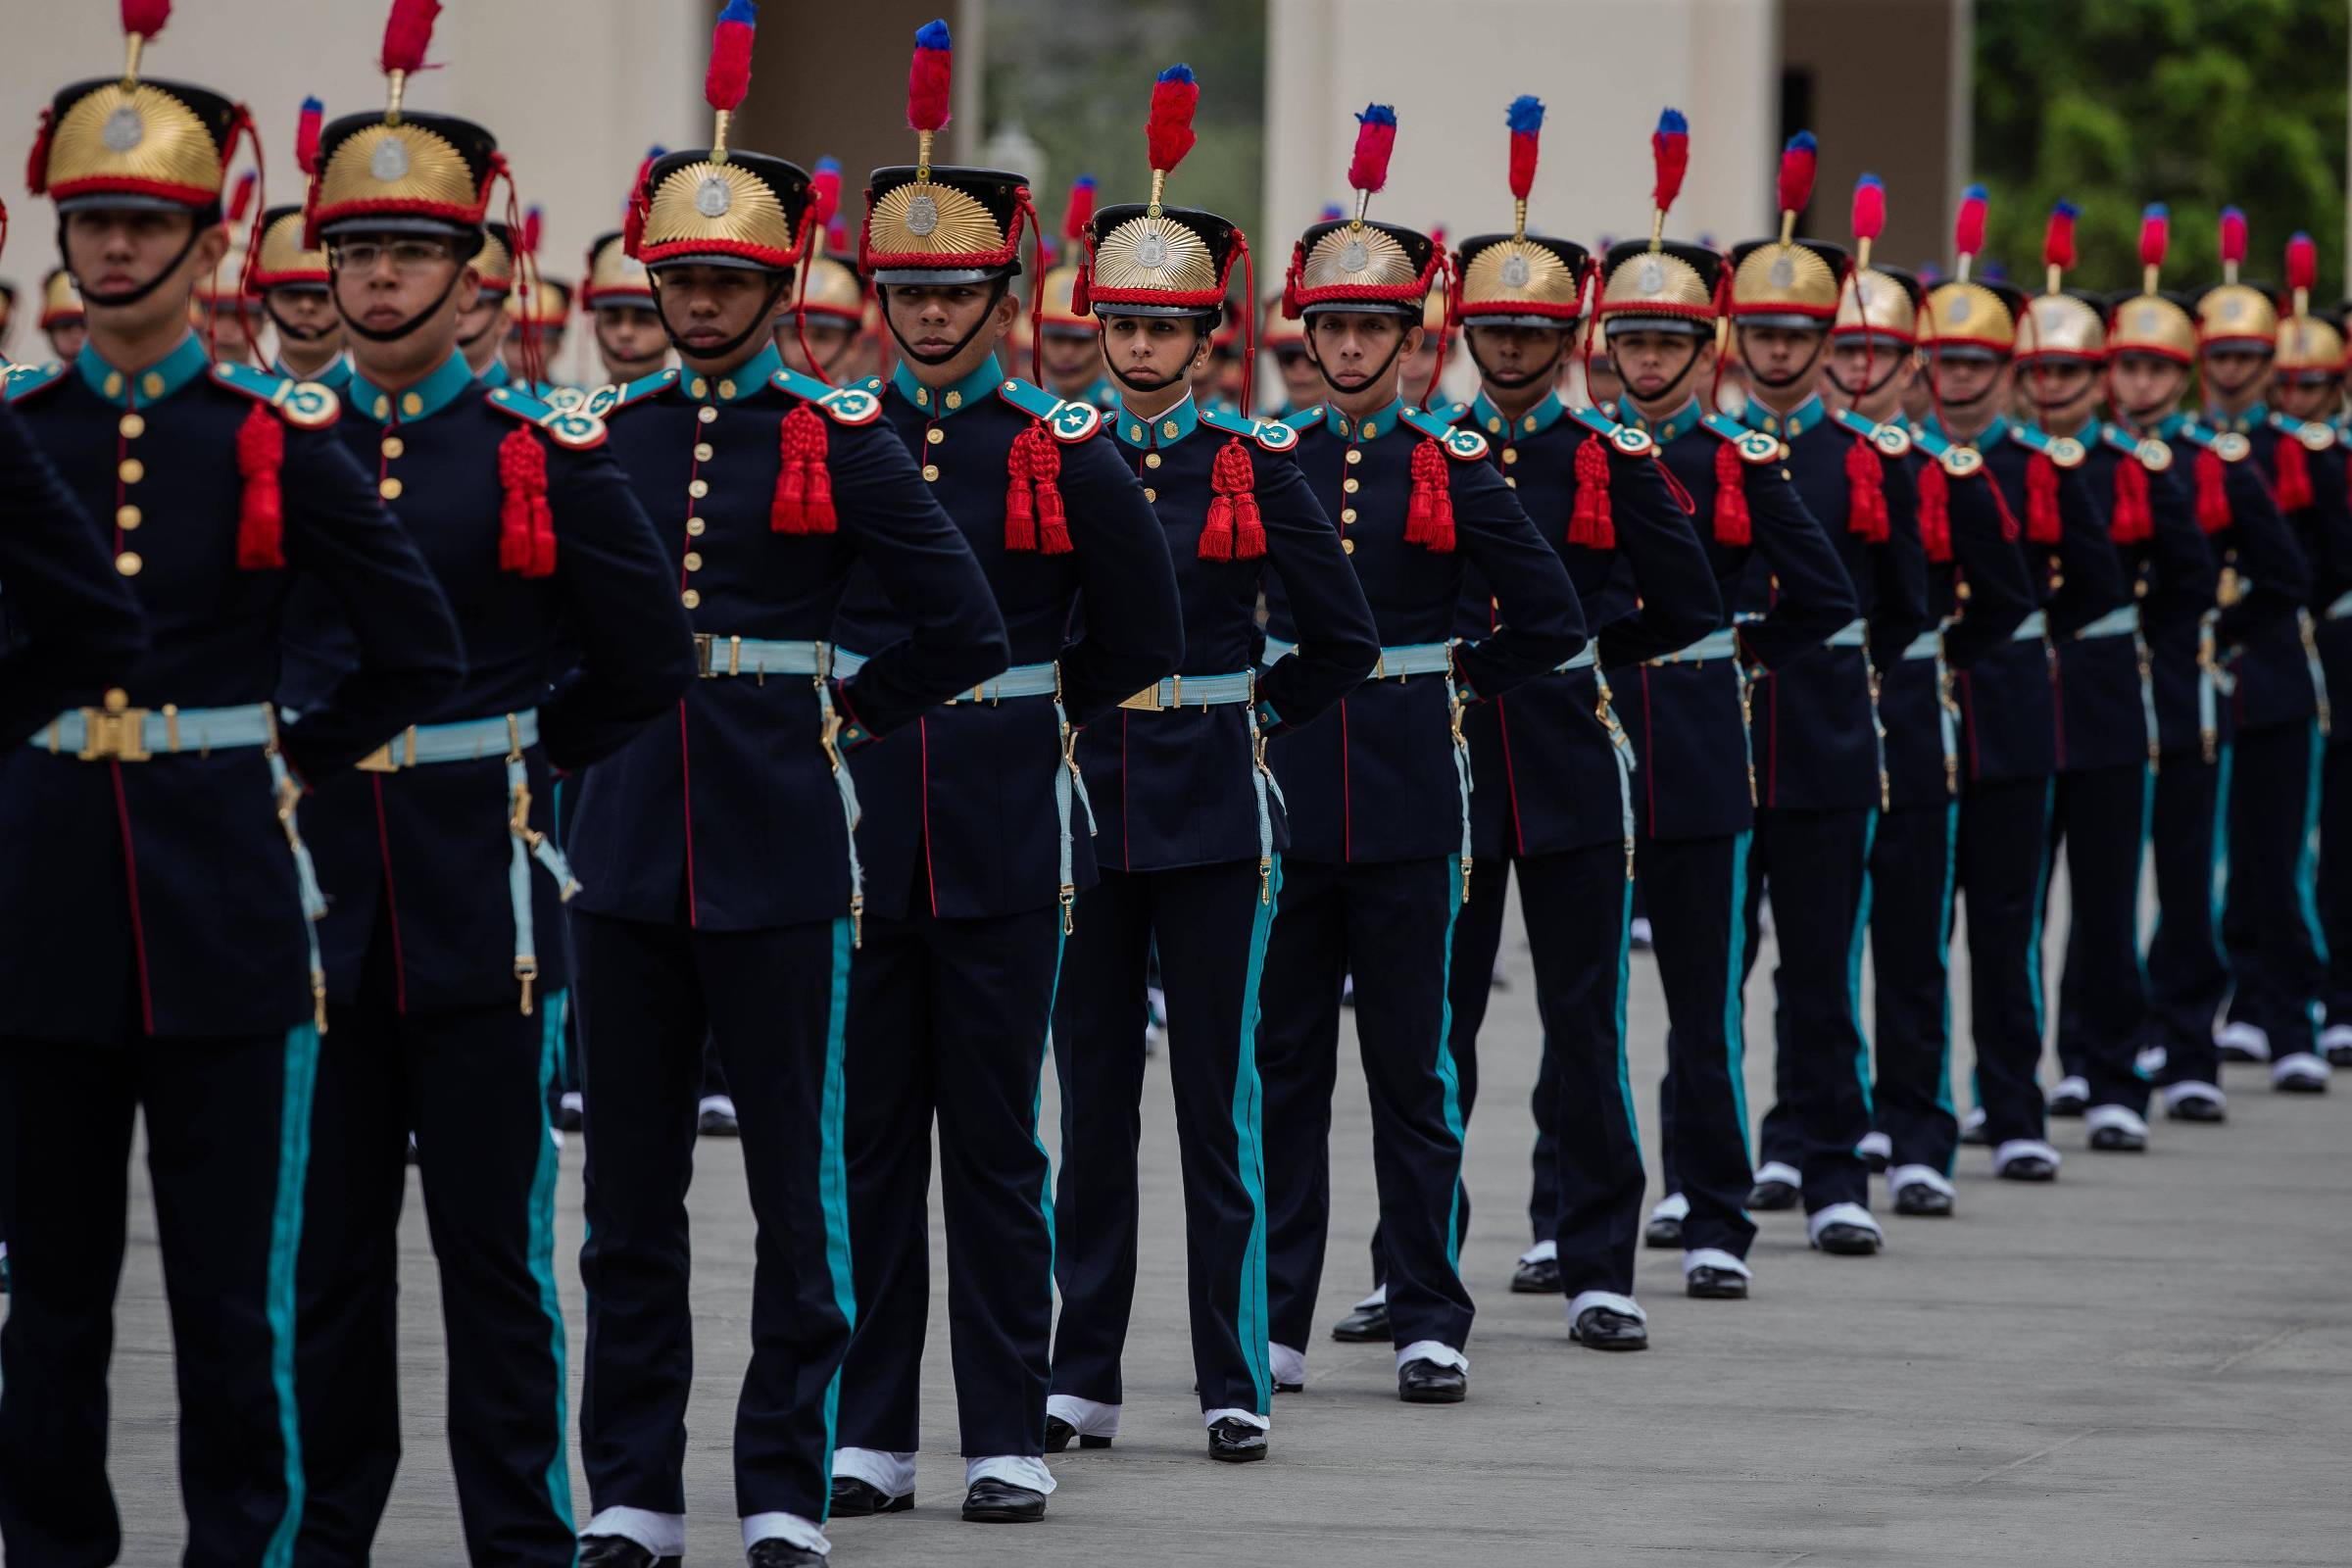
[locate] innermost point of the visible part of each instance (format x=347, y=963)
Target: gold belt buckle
x=118, y=736
x=703, y=642
x=1146, y=701
x=381, y=760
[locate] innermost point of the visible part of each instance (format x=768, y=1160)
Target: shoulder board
x=1954, y=459
x=873, y=384
x=606, y=399
x=1753, y=446
x=19, y=382
x=2063, y=450
x=1463, y=444
x=1890, y=440
x=304, y=404
x=1928, y=442
x=578, y=431
x=570, y=399
x=1272, y=434
x=847, y=405
x=1070, y=422
x=1304, y=419
x=1624, y=437
x=1452, y=413
x=2227, y=445
x=2152, y=453
x=2315, y=436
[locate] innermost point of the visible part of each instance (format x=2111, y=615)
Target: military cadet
x=542, y=314
x=1550, y=767
x=7, y=316
x=290, y=277
x=62, y=320
x=1285, y=341
x=2307, y=387
x=1417, y=372
x=1191, y=828
x=723, y=886
x=2009, y=717
x=226, y=315
x=2268, y=922
x=977, y=836
x=158, y=961
x=618, y=296
x=445, y=958
x=1815, y=734
x=1684, y=715
x=2108, y=737
x=1977, y=594
x=482, y=332
x=1379, y=859
x=822, y=336
x=1069, y=345
x=1225, y=384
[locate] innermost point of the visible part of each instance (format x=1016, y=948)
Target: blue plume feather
x=1177, y=73
x=1802, y=143
x=745, y=12
x=1672, y=123
x=1526, y=114
x=1377, y=114
x=931, y=36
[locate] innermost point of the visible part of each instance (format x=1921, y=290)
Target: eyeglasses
x=407, y=255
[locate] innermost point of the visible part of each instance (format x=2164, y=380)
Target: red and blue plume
x=306, y=135
x=1797, y=161
x=1670, y=150
x=927, y=79
x=837, y=234
x=2234, y=236
x=1524, y=116
x=2155, y=234
x=1169, y=132
x=730, y=75
x=240, y=202
x=1870, y=208
x=1968, y=229
x=2302, y=263
x=1081, y=210
x=2058, y=241
x=824, y=190
x=409, y=33
x=526, y=238
x=146, y=17
x=1375, y=140
x=1332, y=213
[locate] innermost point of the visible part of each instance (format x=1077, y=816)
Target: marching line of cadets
x=901, y=726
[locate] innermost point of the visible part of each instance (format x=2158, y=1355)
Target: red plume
x=2058, y=241
x=1870, y=208
x=2302, y=262
x=928, y=79
x=306, y=135
x=1169, y=132
x=824, y=192
x=729, y=76
x=526, y=238
x=1968, y=229
x=241, y=201
x=2233, y=235
x=146, y=17
x=1079, y=213
x=409, y=33
x=1670, y=150
x=1525, y=118
x=2155, y=234
x=1375, y=140
x=1797, y=161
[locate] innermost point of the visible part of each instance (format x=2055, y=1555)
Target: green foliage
x=2199, y=103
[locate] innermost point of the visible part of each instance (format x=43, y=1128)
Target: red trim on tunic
x=384, y=849
x=130, y=884
x=694, y=911
x=922, y=731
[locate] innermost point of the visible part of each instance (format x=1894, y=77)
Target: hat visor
x=1618, y=325
x=1198, y=313
x=1409, y=310
x=940, y=276
x=1558, y=324
x=741, y=263
x=105, y=201
x=396, y=223
x=1965, y=351
x=1787, y=321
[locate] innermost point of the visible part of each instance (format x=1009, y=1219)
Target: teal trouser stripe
x=1943, y=958
x=832, y=1172
x=1249, y=1101
x=1625, y=980
x=1446, y=1073
x=2042, y=893
x=2220, y=856
x=1853, y=964
x=1037, y=1106
x=543, y=1250
x=2307, y=862
x=1735, y=1010
x=2139, y=867
x=285, y=1244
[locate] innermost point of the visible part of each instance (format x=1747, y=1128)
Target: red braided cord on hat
x=803, y=243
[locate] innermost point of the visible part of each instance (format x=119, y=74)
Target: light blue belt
x=1585, y=658
x=1853, y=634
x=140, y=735
x=2033, y=628
x=2311, y=659
x=1621, y=752
x=2116, y=622
x=760, y=657
x=2338, y=608
x=1927, y=644
x=1221, y=691
x=1722, y=643
x=1021, y=680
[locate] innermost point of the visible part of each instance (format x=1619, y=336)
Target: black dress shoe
x=1424, y=1382
x=2207, y=1111
x=2119, y=1141
x=1975, y=1136
x=2028, y=1168
x=568, y=1117
x=1875, y=1159
x=716, y=1123
x=1233, y=1442
x=1919, y=1200
x=1769, y=1196
x=1663, y=1232
x=1366, y=1325
x=1281, y=1386
x=1604, y=1328
x=853, y=1498
x=774, y=1554
x=619, y=1551
x=1847, y=1241
x=1058, y=1433
x=1000, y=1503
x=1537, y=1276
x=2066, y=1103
x=1707, y=1283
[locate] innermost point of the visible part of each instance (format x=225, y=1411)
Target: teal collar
x=1167, y=430
x=1668, y=431
x=1542, y=417
x=1992, y=436
x=2215, y=419
x=422, y=401
x=497, y=376
x=335, y=378
x=1369, y=428
x=747, y=379
x=941, y=402
x=1796, y=422
x=2172, y=425
x=157, y=382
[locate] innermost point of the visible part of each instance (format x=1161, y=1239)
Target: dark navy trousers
x=1697, y=893
x=1211, y=926
x=2269, y=913
x=473, y=1086
x=2004, y=863
x=2189, y=976
x=1912, y=866
x=2100, y=824
x=949, y=1022
x=1391, y=924
x=228, y=1138
x=775, y=1002
x=2335, y=890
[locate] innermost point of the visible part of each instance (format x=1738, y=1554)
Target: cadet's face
x=1071, y=362
x=1650, y=365
x=931, y=320
x=630, y=340
x=1419, y=370
x=1225, y=374
x=1357, y=351
x=1300, y=381
x=2146, y=387
x=549, y=343
x=384, y=282
x=708, y=308
x=113, y=253
x=1602, y=382
x=829, y=342
x=2232, y=372
x=1963, y=383
x=1777, y=355
x=1516, y=355
x=1152, y=352
x=65, y=339
x=2309, y=400
x=230, y=333
x=306, y=315
x=2061, y=391
x=1870, y=378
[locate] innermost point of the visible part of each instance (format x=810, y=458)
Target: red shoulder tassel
x=2213, y=492
x=1935, y=511
x=526, y=526
x=804, y=501
x=1020, y=512
x=262, y=514
x=1589, y=521
x=1045, y=472
x=1731, y=497
x=1865, y=492
x=1235, y=531
x=2294, y=474
x=2134, y=520
x=2042, y=499
x=1428, y=515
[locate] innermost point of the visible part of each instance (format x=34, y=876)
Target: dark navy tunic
x=2326, y=530
x=161, y=895
x=1173, y=788
x=2172, y=574
x=1376, y=779
x=727, y=814
x=959, y=806
x=2266, y=576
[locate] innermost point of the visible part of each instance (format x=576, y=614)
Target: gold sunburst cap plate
x=1969, y=315
x=428, y=168
x=1669, y=282
x=1513, y=275
x=2151, y=323
x=1882, y=302
x=2060, y=326
x=833, y=290
x=2238, y=312
x=153, y=141
x=2307, y=343
x=1800, y=280
x=282, y=261
x=748, y=208
x=1173, y=258
x=614, y=276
